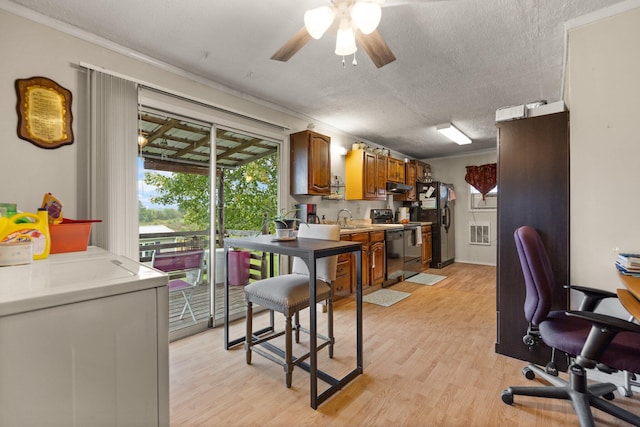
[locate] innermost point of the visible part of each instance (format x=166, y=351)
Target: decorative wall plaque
x=44, y=112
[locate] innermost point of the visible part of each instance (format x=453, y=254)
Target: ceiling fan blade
x=292, y=46
x=376, y=48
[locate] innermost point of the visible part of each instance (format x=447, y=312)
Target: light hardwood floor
x=429, y=360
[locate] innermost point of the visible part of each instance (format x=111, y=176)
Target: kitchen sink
x=355, y=227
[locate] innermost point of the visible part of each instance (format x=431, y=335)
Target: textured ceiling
x=457, y=60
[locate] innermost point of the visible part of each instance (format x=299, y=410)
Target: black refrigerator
x=436, y=205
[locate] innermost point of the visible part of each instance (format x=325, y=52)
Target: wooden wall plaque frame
x=44, y=112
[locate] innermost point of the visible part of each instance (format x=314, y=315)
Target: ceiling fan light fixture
x=454, y=134
x=318, y=20
x=346, y=40
x=366, y=16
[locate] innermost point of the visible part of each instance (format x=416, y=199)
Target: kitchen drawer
x=343, y=269
x=376, y=236
x=342, y=284
x=360, y=237
x=345, y=257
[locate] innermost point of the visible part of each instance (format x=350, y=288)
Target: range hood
x=394, y=187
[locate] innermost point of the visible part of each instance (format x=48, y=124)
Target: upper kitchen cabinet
x=395, y=170
x=310, y=164
x=366, y=176
x=410, y=179
x=423, y=171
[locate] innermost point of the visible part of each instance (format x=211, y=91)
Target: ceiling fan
x=357, y=20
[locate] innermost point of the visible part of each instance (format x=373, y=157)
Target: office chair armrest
x=604, y=330
x=592, y=296
x=605, y=321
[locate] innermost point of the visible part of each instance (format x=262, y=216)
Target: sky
x=145, y=191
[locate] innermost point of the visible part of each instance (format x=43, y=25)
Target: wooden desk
x=632, y=283
x=630, y=297
x=309, y=250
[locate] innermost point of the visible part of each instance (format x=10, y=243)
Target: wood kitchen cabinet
x=381, y=178
x=365, y=176
x=373, y=262
x=377, y=256
x=395, y=170
x=310, y=164
x=410, y=179
x=343, y=285
x=426, y=246
x=366, y=263
x=533, y=181
x=422, y=169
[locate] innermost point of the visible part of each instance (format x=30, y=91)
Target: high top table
x=309, y=250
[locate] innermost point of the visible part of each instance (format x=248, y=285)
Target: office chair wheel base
x=624, y=391
x=528, y=374
x=551, y=369
x=609, y=396
x=507, y=397
x=529, y=340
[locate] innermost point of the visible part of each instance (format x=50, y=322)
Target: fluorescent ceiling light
x=454, y=134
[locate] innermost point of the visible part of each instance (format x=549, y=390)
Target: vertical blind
x=113, y=172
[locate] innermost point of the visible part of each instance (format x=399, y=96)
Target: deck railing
x=178, y=241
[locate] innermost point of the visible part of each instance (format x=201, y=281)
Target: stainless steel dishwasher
x=394, y=241
x=412, y=250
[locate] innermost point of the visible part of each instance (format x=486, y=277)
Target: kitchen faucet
x=345, y=218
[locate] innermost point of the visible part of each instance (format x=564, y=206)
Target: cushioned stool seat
x=285, y=294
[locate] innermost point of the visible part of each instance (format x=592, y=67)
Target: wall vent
x=479, y=234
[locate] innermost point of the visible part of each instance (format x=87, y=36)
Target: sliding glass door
x=191, y=195
x=174, y=195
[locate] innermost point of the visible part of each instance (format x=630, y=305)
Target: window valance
x=482, y=178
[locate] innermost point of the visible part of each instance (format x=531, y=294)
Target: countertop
x=72, y=277
x=364, y=228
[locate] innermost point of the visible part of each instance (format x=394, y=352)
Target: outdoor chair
x=288, y=294
x=185, y=273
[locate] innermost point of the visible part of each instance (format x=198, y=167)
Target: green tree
x=250, y=191
x=189, y=192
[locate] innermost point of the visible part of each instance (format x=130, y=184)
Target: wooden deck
x=200, y=303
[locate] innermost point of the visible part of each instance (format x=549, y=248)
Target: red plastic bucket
x=239, y=268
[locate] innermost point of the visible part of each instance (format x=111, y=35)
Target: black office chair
x=593, y=338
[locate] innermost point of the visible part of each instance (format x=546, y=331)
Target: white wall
x=602, y=90
x=31, y=49
x=453, y=170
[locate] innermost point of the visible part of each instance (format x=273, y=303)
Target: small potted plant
x=285, y=225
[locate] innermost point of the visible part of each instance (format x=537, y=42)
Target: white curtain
x=113, y=169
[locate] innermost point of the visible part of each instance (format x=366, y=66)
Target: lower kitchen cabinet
x=373, y=262
x=426, y=246
x=343, y=284
x=366, y=264
x=377, y=256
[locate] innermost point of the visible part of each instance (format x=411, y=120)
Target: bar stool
x=288, y=294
